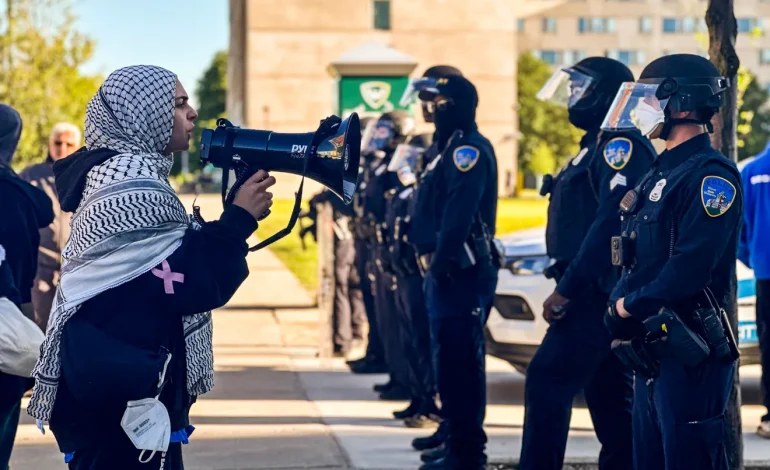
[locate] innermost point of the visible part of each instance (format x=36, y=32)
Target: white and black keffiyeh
x=129, y=220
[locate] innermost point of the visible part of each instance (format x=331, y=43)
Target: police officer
x=422, y=228
x=406, y=165
x=391, y=129
x=582, y=218
x=373, y=361
x=678, y=248
x=460, y=277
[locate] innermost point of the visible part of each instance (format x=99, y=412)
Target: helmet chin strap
x=668, y=126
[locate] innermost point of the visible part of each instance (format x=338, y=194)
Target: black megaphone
x=330, y=156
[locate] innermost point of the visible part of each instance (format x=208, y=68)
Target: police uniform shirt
x=466, y=183
x=685, y=227
x=619, y=161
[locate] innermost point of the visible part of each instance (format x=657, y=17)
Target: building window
x=596, y=25
x=670, y=25
x=764, y=56
x=520, y=24
x=688, y=25
x=748, y=25
x=645, y=25
x=628, y=57
x=567, y=57
x=382, y=15
x=549, y=25
x=550, y=57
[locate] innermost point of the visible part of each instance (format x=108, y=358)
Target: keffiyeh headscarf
x=128, y=221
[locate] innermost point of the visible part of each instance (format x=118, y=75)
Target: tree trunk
x=723, y=30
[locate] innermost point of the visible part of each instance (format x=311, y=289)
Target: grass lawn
x=512, y=214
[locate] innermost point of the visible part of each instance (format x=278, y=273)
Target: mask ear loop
x=161, y=379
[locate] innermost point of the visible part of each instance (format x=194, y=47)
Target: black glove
x=635, y=355
x=623, y=328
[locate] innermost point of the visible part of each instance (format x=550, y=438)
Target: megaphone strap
x=325, y=129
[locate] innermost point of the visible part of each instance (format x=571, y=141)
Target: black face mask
x=450, y=119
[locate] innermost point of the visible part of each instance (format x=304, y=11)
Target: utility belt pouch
x=622, y=249
x=668, y=336
x=635, y=355
x=718, y=334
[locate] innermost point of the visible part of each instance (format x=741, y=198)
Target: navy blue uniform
x=364, y=241
x=575, y=353
x=686, y=229
x=384, y=285
x=464, y=182
x=410, y=303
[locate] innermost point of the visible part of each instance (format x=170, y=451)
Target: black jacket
x=24, y=210
x=147, y=312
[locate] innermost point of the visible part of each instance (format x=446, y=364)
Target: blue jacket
x=754, y=247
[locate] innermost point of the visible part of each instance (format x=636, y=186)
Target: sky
x=180, y=35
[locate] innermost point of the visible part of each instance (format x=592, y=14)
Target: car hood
x=530, y=242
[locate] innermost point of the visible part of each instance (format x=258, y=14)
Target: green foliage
x=753, y=119
x=547, y=137
x=40, y=60
x=211, y=96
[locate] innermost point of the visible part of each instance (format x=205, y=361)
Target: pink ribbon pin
x=168, y=276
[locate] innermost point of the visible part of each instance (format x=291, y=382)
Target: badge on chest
x=657, y=191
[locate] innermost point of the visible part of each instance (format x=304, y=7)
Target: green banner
x=370, y=96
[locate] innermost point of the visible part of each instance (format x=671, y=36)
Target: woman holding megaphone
x=129, y=343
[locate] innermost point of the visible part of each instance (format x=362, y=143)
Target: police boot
x=421, y=421
x=431, y=455
x=379, y=388
x=411, y=410
x=432, y=441
x=397, y=393
x=369, y=367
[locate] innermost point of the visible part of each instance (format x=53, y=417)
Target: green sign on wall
x=370, y=96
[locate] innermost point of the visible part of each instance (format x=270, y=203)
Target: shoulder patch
x=617, y=152
x=717, y=195
x=465, y=157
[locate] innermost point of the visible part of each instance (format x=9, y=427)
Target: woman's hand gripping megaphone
x=253, y=195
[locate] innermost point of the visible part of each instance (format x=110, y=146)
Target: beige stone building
x=638, y=31
x=286, y=58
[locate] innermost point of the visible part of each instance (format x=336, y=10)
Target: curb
x=589, y=464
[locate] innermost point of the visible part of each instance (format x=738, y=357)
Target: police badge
x=465, y=157
x=717, y=195
x=617, y=152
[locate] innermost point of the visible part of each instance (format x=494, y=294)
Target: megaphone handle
x=263, y=216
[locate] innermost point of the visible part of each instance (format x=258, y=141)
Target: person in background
x=63, y=141
x=24, y=210
x=754, y=252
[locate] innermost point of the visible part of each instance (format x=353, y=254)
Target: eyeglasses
x=441, y=105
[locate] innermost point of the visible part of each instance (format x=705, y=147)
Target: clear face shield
x=405, y=163
x=415, y=86
x=377, y=136
x=566, y=87
x=636, y=106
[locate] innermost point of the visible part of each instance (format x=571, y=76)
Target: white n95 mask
x=147, y=423
x=647, y=118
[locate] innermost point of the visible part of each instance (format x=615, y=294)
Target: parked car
x=516, y=325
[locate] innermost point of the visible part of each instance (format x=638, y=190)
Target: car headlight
x=529, y=266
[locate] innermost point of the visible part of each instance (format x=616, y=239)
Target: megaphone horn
x=333, y=162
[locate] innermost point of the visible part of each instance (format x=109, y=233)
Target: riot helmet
x=586, y=89
x=428, y=79
x=384, y=134
x=406, y=163
x=454, y=100
x=678, y=83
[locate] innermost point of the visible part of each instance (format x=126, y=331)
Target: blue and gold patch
x=717, y=195
x=465, y=157
x=617, y=152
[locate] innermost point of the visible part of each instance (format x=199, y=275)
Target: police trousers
x=679, y=417
x=374, y=344
x=575, y=355
x=120, y=454
x=349, y=315
x=389, y=328
x=457, y=309
x=415, y=338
